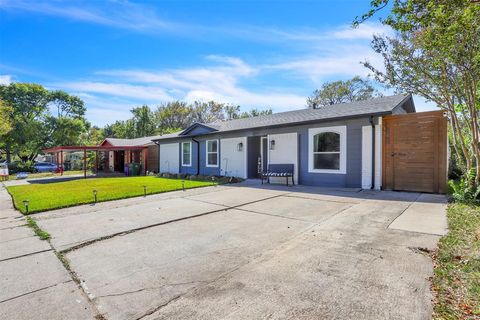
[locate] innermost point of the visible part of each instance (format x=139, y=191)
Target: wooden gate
x=415, y=152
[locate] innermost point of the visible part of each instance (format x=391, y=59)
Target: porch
x=102, y=160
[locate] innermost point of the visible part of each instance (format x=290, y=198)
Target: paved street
x=228, y=252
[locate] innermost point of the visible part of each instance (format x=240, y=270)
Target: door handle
x=392, y=154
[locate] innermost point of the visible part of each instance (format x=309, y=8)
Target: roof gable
x=196, y=129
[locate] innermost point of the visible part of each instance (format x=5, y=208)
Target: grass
x=456, y=281
x=46, y=174
x=56, y=195
x=44, y=235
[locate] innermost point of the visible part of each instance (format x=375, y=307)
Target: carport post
x=61, y=162
x=84, y=163
x=96, y=161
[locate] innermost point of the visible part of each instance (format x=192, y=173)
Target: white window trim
x=342, y=130
x=190, y=160
x=206, y=154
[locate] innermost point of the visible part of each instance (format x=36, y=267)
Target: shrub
x=19, y=166
x=464, y=192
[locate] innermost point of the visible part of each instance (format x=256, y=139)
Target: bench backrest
x=280, y=168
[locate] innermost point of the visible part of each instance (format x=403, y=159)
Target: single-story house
x=112, y=154
x=139, y=150
x=333, y=146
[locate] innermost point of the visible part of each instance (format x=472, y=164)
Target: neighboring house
x=330, y=146
x=110, y=156
x=140, y=150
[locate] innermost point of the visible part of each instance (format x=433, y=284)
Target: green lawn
x=456, y=281
x=55, y=195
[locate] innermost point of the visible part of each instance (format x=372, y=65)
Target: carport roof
x=376, y=107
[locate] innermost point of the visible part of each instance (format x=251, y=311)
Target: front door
x=415, y=152
x=264, y=154
x=119, y=161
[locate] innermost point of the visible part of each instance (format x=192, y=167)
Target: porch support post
x=61, y=162
x=84, y=163
x=96, y=161
x=145, y=161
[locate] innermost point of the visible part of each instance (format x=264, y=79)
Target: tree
x=172, y=116
x=340, y=91
x=5, y=123
x=34, y=127
x=207, y=112
x=143, y=121
x=436, y=54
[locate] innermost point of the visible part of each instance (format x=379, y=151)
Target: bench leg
x=293, y=181
x=287, y=180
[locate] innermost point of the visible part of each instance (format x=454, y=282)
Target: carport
x=129, y=154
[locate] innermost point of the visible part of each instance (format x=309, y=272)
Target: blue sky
x=118, y=54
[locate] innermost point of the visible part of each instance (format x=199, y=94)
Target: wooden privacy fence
x=415, y=152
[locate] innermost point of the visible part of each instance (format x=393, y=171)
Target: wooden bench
x=278, y=171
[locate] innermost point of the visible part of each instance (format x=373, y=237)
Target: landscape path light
x=25, y=203
x=95, y=195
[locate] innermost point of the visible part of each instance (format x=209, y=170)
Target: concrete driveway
x=251, y=252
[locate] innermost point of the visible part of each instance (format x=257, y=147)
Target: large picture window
x=186, y=154
x=327, y=150
x=212, y=153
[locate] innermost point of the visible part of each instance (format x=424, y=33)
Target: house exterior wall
x=233, y=162
x=153, y=158
x=169, y=157
x=352, y=177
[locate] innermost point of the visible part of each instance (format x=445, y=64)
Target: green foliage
x=5, y=123
x=34, y=126
x=435, y=53
x=56, y=195
x=42, y=234
x=175, y=116
x=456, y=280
x=331, y=93
x=18, y=166
x=465, y=190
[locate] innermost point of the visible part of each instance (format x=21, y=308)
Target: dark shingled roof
x=144, y=141
x=376, y=106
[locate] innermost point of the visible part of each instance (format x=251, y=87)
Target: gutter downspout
x=198, y=155
x=372, y=123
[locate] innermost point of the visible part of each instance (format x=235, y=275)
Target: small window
x=326, y=151
x=212, y=153
x=186, y=154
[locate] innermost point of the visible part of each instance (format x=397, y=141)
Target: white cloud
x=5, y=79
x=124, y=15
x=147, y=93
x=365, y=31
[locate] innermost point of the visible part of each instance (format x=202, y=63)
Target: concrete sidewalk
x=425, y=215
x=34, y=283
x=241, y=251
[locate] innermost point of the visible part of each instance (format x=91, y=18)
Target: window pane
x=326, y=142
x=212, y=146
x=186, y=148
x=212, y=159
x=326, y=161
x=186, y=153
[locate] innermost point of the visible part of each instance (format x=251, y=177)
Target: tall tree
x=335, y=92
x=34, y=126
x=207, y=112
x=172, y=116
x=436, y=54
x=143, y=121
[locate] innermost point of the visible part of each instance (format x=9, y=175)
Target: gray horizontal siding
x=354, y=152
